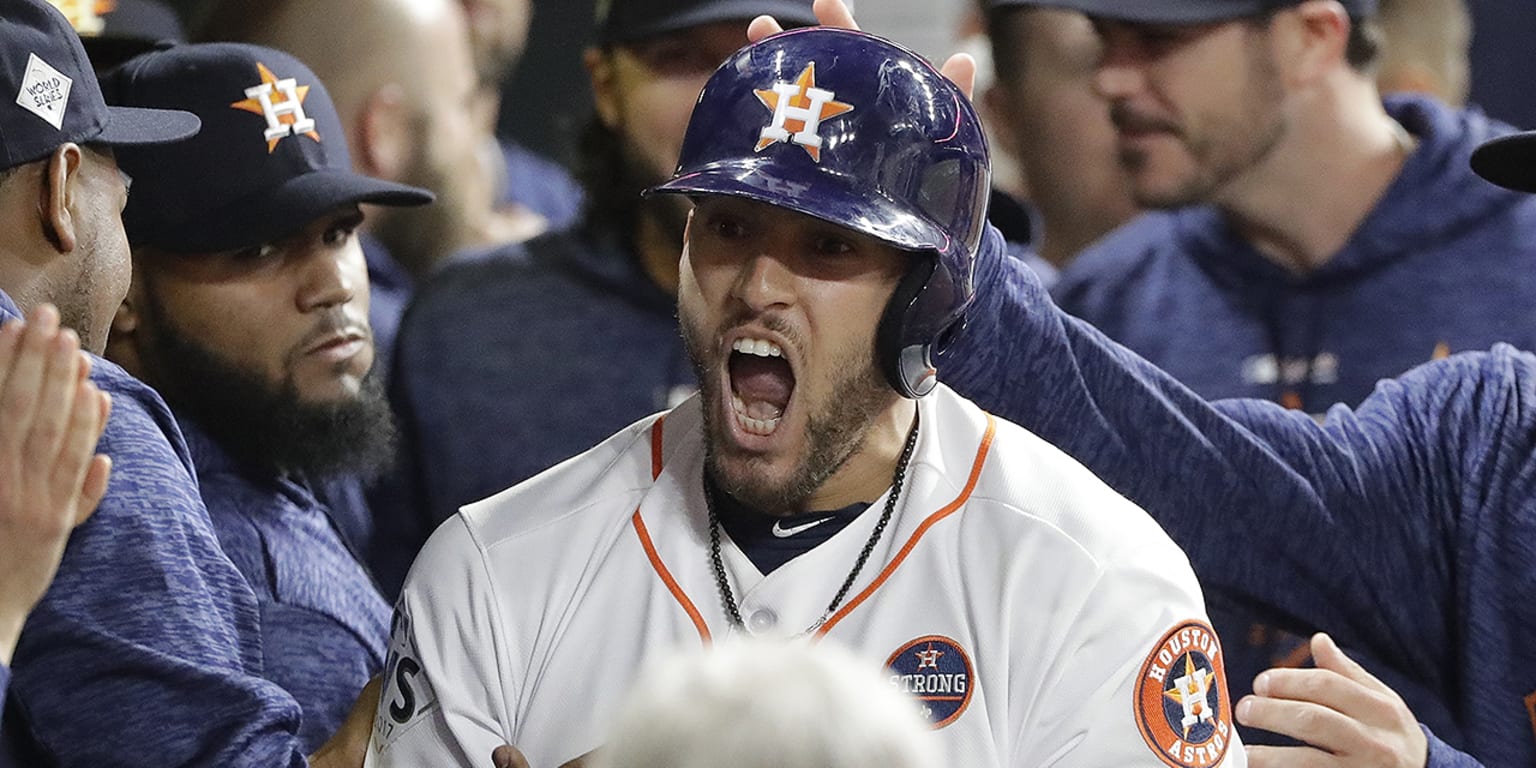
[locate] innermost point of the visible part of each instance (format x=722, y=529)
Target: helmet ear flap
x=906, y=358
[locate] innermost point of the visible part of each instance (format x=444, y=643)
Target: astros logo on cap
x=85, y=15
x=1181, y=698
x=281, y=102
x=938, y=672
x=798, y=110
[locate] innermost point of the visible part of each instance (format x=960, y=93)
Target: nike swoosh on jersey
x=781, y=532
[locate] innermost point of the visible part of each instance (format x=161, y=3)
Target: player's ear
x=382, y=141
x=1309, y=42
x=605, y=98
x=58, y=194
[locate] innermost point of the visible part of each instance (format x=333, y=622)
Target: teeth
x=758, y=347
x=749, y=424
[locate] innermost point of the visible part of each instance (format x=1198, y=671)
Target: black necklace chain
x=729, y=600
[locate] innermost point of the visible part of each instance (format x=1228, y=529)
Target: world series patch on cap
x=49, y=95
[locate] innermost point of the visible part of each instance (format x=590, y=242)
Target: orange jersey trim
x=666, y=578
x=650, y=547
x=901, y=556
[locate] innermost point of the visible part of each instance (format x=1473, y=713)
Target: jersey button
x=762, y=621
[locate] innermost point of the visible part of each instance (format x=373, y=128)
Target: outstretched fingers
x=1343, y=713
x=960, y=68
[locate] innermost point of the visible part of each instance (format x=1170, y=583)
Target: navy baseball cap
x=1508, y=161
x=271, y=158
x=620, y=21
x=117, y=30
x=1181, y=11
x=49, y=95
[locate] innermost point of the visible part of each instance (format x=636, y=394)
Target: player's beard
x=836, y=428
x=268, y=426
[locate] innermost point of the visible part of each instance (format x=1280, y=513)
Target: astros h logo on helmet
x=798, y=111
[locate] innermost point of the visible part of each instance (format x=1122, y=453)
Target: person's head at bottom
x=840, y=185
x=764, y=704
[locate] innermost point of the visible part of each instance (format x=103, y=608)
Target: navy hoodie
x=1406, y=527
x=513, y=360
x=1445, y=262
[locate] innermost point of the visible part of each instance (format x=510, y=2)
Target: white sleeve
x=1139, y=679
x=444, y=700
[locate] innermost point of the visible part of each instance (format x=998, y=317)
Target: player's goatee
x=835, y=428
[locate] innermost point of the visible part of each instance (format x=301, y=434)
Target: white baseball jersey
x=1041, y=618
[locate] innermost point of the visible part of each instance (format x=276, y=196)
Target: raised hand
x=959, y=68
x=51, y=479
x=1344, y=715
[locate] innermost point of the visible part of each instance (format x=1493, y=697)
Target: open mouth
x=762, y=382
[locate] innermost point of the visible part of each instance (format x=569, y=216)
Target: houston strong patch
x=938, y=672
x=1182, y=709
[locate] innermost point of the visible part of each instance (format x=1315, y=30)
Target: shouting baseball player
x=823, y=483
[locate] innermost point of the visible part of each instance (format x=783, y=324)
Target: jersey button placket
x=762, y=620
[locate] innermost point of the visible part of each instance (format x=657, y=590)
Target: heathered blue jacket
x=146, y=651
x=1444, y=262
x=511, y=361
x=1406, y=527
x=324, y=625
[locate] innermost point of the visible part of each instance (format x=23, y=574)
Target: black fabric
x=19, y=748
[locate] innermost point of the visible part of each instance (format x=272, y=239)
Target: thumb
x=507, y=756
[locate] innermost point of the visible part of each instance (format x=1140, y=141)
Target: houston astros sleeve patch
x=1181, y=703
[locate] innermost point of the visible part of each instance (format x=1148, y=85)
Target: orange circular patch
x=1182, y=709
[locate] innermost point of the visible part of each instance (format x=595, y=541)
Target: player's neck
x=867, y=473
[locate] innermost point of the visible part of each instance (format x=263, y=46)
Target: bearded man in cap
x=248, y=311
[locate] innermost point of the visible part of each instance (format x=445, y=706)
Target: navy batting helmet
x=863, y=133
